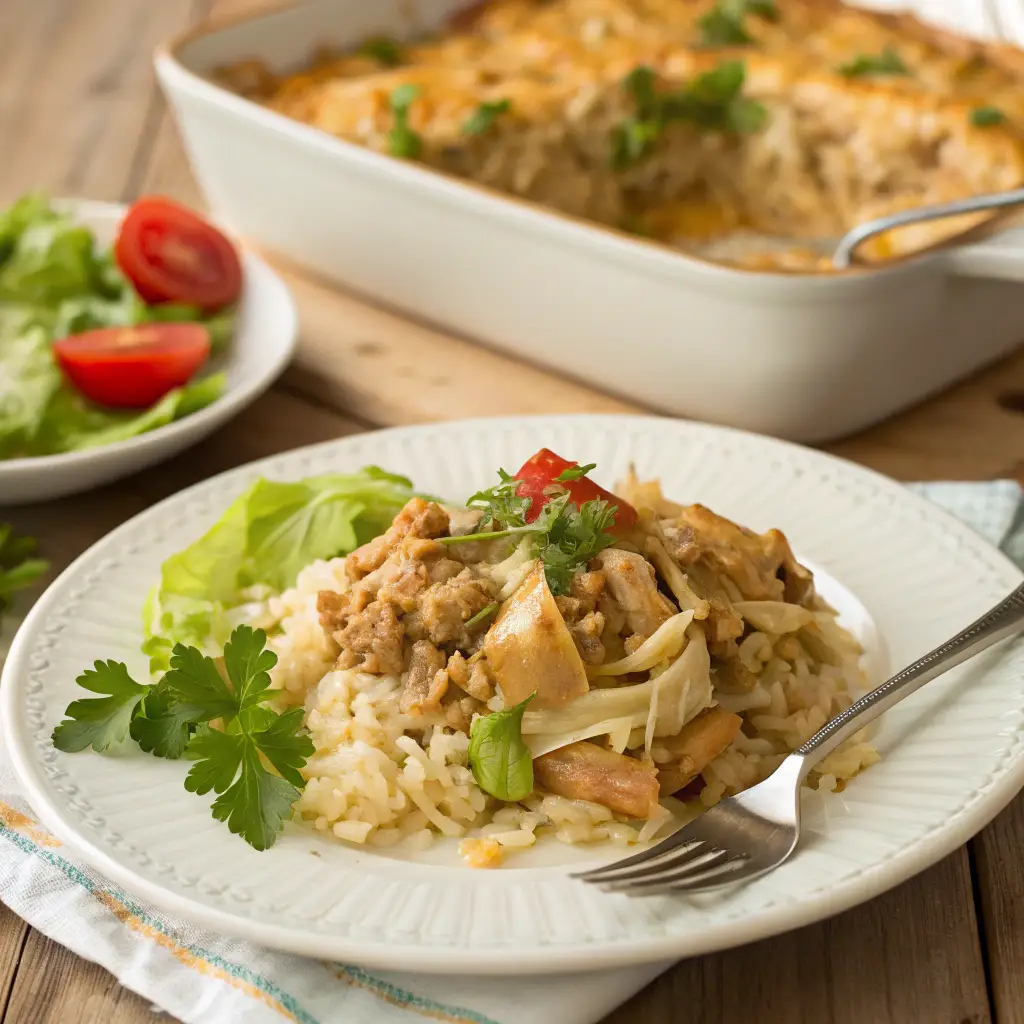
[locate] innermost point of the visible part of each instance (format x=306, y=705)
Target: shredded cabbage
x=776, y=617
x=613, y=727
x=683, y=691
x=666, y=642
x=676, y=579
x=684, y=688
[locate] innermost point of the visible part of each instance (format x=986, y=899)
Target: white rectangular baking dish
x=803, y=358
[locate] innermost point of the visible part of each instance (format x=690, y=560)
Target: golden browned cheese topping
x=750, y=134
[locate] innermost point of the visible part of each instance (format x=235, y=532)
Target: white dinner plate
x=262, y=346
x=951, y=754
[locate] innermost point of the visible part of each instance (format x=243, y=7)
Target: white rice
x=380, y=778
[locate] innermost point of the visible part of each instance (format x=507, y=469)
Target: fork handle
x=1006, y=619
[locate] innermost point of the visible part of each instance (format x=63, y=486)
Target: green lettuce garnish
x=264, y=538
x=73, y=424
x=56, y=281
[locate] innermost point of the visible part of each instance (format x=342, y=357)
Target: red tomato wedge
x=539, y=477
x=132, y=367
x=172, y=255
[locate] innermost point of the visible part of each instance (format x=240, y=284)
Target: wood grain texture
x=53, y=986
x=1000, y=872
x=13, y=933
x=880, y=963
x=80, y=114
x=78, y=103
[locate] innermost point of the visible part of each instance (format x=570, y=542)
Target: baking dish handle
x=1000, y=257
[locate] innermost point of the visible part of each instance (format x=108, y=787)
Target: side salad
x=99, y=345
x=211, y=699
x=206, y=669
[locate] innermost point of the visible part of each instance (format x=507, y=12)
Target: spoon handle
x=842, y=258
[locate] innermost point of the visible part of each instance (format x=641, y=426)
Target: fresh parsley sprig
x=574, y=473
x=571, y=537
x=713, y=101
x=565, y=538
x=172, y=718
x=501, y=504
x=100, y=722
x=19, y=568
x=402, y=140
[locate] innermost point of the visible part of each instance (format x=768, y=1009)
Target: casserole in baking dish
x=805, y=356
x=701, y=124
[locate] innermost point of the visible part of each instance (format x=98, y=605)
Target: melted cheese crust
x=835, y=150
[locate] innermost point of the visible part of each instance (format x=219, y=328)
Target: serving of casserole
x=732, y=129
x=466, y=226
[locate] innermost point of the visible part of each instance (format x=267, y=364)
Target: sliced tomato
x=172, y=255
x=133, y=367
x=539, y=481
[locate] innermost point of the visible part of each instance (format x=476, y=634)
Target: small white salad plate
x=261, y=348
x=905, y=575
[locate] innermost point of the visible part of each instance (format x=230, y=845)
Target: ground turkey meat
x=371, y=640
x=586, y=634
x=471, y=676
x=444, y=608
x=633, y=584
x=761, y=566
x=418, y=518
x=426, y=682
x=405, y=588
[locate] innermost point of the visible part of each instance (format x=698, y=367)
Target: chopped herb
x=987, y=117
x=402, y=140
x=483, y=118
x=631, y=141
x=172, y=718
x=572, y=537
x=499, y=759
x=501, y=505
x=888, y=62
x=565, y=537
x=482, y=616
x=713, y=101
x=724, y=24
x=383, y=49
x=18, y=568
x=574, y=473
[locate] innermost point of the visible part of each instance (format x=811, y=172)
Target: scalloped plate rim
x=778, y=918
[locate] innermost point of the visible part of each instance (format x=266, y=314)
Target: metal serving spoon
x=842, y=257
x=750, y=834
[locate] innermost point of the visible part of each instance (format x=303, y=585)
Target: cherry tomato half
x=132, y=367
x=171, y=255
x=539, y=476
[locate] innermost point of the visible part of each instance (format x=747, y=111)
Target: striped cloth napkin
x=201, y=977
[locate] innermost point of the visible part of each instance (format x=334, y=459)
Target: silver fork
x=752, y=833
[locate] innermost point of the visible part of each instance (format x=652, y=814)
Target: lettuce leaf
x=29, y=379
x=73, y=424
x=264, y=538
x=51, y=259
x=54, y=282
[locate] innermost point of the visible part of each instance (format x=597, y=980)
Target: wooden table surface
x=80, y=115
